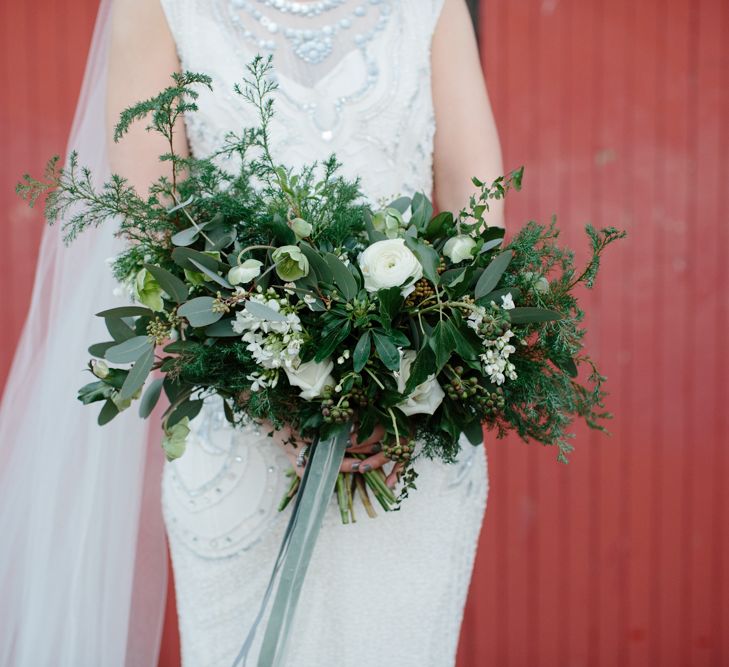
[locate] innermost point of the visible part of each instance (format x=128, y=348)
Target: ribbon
x=297, y=546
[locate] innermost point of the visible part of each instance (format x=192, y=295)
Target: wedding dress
x=354, y=79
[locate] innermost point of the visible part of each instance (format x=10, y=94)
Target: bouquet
x=297, y=302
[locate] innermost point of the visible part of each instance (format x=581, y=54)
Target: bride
x=395, y=89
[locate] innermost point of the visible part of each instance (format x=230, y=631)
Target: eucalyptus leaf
x=126, y=311
x=137, y=375
x=490, y=245
x=182, y=205
x=182, y=257
x=317, y=262
x=199, y=311
x=211, y=274
x=107, y=413
x=222, y=329
x=186, y=236
x=99, y=349
x=150, y=397
x=130, y=350
x=171, y=284
x=401, y=204
x=119, y=329
x=492, y=274
x=428, y=258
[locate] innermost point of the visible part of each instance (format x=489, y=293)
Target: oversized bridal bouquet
x=289, y=297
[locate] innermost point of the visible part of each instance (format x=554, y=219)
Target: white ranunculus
x=245, y=272
x=390, y=263
x=311, y=377
x=426, y=397
x=458, y=248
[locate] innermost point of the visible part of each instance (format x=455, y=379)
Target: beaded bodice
x=353, y=75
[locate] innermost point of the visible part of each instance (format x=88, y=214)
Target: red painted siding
x=619, y=112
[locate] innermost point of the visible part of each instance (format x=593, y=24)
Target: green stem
x=290, y=493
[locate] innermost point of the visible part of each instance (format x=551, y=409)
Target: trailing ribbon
x=289, y=570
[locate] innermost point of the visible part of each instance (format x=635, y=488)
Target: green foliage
x=210, y=214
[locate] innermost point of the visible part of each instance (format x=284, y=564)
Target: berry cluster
x=423, y=290
x=335, y=412
x=400, y=452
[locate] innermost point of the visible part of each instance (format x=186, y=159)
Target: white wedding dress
x=354, y=79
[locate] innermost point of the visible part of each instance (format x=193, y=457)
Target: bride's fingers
x=376, y=461
x=392, y=479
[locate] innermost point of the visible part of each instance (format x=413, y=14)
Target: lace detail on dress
x=354, y=79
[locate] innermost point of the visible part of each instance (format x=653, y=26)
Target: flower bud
x=99, y=368
x=301, y=228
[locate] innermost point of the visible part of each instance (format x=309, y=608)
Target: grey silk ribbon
x=297, y=546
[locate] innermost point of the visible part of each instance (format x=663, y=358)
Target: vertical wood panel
x=619, y=111
x=631, y=127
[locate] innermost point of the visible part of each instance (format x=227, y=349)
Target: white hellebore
x=311, y=377
x=245, y=272
x=426, y=397
x=390, y=263
x=458, y=248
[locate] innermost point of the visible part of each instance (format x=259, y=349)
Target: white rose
x=458, y=248
x=311, y=377
x=245, y=272
x=390, y=263
x=426, y=397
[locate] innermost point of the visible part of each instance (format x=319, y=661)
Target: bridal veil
x=83, y=569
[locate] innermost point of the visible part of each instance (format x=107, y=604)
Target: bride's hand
x=372, y=446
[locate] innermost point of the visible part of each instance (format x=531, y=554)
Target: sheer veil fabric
x=83, y=569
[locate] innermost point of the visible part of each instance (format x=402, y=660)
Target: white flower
x=507, y=302
x=245, y=272
x=301, y=228
x=426, y=397
x=100, y=368
x=311, y=377
x=458, y=248
x=390, y=263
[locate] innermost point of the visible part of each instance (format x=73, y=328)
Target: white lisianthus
x=458, y=248
x=507, y=301
x=245, y=272
x=390, y=263
x=426, y=397
x=311, y=377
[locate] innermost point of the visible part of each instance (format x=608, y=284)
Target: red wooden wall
x=620, y=112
